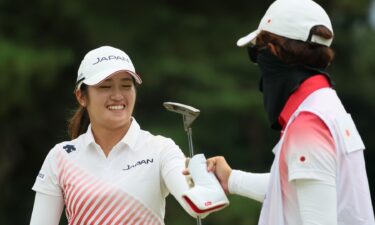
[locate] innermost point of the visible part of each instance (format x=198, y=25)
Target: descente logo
x=141, y=162
x=110, y=57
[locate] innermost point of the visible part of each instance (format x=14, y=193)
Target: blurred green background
x=185, y=52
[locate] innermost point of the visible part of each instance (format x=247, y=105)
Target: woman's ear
x=81, y=98
x=273, y=49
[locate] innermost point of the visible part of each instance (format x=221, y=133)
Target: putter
x=189, y=114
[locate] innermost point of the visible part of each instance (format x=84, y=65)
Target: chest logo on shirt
x=139, y=163
x=69, y=148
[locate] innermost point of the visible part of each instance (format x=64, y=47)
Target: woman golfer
x=112, y=171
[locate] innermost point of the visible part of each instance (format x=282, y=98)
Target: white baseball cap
x=102, y=62
x=292, y=19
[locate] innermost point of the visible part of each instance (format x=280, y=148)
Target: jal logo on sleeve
x=41, y=176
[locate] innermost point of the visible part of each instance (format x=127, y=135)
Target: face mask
x=278, y=81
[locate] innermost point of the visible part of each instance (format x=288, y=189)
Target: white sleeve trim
x=251, y=185
x=44, y=190
x=324, y=176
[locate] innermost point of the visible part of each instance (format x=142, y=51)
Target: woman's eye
x=127, y=85
x=104, y=87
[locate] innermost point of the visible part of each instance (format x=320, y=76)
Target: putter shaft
x=190, y=140
x=191, y=153
x=189, y=114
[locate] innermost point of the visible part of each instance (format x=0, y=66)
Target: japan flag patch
x=299, y=159
x=302, y=158
x=351, y=139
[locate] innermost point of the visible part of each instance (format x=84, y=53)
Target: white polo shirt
x=129, y=185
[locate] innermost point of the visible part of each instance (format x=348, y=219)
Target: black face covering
x=279, y=80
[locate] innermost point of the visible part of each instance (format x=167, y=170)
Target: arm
x=173, y=163
x=317, y=202
x=47, y=209
x=310, y=157
x=250, y=185
x=177, y=185
x=49, y=203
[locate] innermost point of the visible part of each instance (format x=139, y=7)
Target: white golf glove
x=207, y=194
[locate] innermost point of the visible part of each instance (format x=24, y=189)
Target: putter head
x=188, y=113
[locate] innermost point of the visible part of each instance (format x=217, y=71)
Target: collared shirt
x=131, y=184
x=307, y=154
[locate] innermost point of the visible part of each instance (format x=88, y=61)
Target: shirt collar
x=130, y=138
x=305, y=89
x=88, y=137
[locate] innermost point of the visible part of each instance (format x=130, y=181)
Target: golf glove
x=207, y=194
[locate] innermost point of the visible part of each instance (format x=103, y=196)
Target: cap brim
x=99, y=77
x=250, y=38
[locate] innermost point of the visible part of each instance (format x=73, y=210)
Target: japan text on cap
x=102, y=62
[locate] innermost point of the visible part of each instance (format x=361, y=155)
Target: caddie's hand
x=222, y=170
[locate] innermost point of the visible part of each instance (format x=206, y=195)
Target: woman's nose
x=116, y=94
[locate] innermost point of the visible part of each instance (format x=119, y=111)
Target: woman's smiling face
x=110, y=103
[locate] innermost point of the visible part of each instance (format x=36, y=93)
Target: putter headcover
x=207, y=194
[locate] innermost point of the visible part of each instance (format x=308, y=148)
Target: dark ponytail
x=80, y=120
